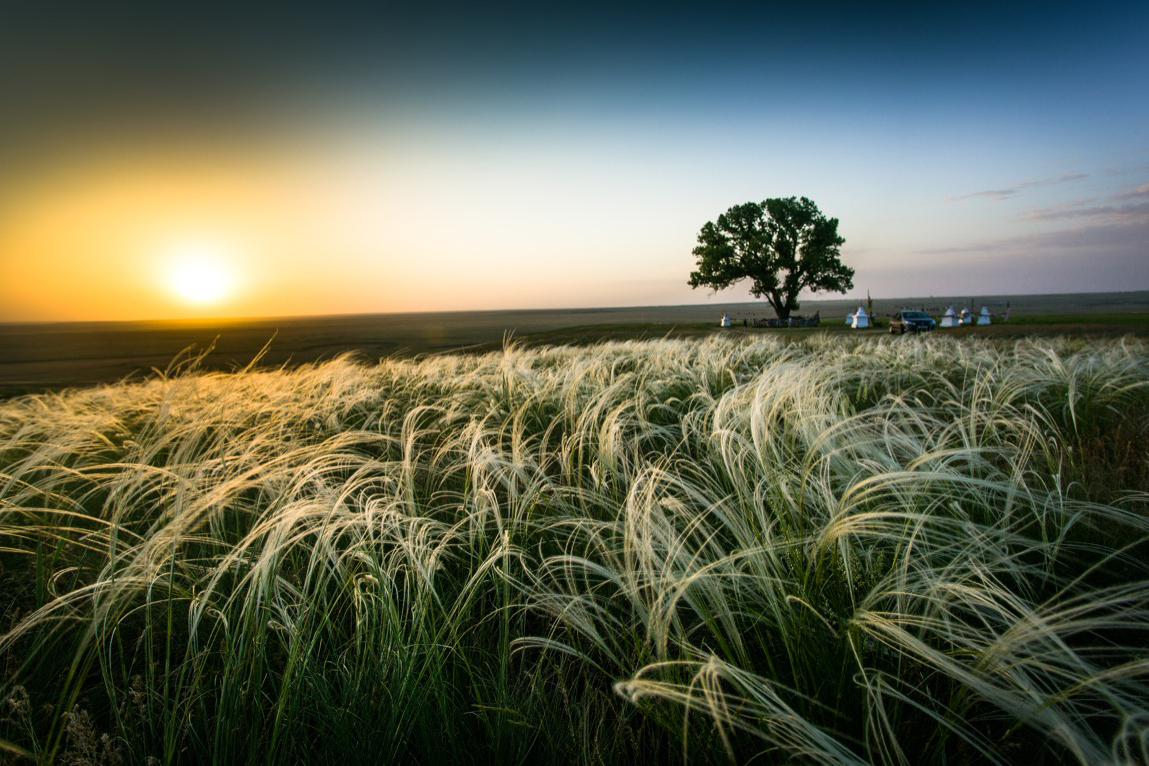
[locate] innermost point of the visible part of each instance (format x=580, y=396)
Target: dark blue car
x=912, y=321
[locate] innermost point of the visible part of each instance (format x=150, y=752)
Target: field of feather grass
x=897, y=551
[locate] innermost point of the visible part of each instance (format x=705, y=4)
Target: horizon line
x=761, y=302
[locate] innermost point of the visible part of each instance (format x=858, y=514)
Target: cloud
x=995, y=194
x=1130, y=234
x=1128, y=207
x=1113, y=212
x=1141, y=192
x=1102, y=242
x=1094, y=257
x=1130, y=170
x=1012, y=191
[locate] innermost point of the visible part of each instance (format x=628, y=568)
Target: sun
x=199, y=274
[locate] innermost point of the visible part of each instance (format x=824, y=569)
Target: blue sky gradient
x=506, y=156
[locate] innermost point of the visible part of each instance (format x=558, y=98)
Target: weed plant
x=909, y=551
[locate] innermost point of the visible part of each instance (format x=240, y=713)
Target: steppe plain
x=49, y=356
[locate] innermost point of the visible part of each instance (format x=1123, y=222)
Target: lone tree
x=783, y=246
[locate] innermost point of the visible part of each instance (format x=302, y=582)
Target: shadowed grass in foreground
x=898, y=551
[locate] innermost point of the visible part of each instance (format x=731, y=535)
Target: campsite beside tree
x=782, y=245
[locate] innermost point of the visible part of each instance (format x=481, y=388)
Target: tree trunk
x=781, y=307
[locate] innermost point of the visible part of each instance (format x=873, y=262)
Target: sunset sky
x=194, y=159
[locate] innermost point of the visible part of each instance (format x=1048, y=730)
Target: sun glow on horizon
x=200, y=274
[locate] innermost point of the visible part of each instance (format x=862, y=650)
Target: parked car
x=912, y=321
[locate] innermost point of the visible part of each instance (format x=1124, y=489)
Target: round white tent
x=949, y=319
x=983, y=317
x=861, y=319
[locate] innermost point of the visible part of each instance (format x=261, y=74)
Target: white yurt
x=725, y=321
x=850, y=319
x=949, y=319
x=966, y=316
x=861, y=319
x=983, y=317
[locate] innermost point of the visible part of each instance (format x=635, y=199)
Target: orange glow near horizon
x=277, y=231
x=172, y=238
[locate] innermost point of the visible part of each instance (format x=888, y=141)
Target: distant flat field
x=47, y=356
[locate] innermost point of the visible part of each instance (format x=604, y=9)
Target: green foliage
x=834, y=551
x=782, y=245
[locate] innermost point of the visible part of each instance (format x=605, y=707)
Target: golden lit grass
x=908, y=551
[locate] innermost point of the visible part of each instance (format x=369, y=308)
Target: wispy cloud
x=1128, y=170
x=1115, y=212
x=1012, y=191
x=1141, y=192
x=1117, y=224
x=1129, y=236
x=1128, y=207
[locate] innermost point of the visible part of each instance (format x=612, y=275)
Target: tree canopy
x=783, y=246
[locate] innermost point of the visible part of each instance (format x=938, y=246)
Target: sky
x=170, y=160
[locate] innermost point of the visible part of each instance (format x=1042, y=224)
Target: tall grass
x=906, y=551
